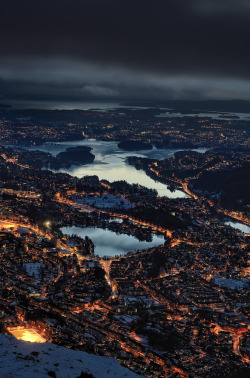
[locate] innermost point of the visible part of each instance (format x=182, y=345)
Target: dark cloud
x=161, y=39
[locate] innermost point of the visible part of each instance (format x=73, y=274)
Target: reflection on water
x=110, y=164
x=109, y=243
x=239, y=226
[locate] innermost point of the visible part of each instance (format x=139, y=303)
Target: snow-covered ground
x=34, y=360
x=33, y=269
x=230, y=283
x=106, y=201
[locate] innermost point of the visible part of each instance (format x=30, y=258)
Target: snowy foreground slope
x=34, y=360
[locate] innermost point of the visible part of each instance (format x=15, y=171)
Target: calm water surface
x=239, y=226
x=109, y=243
x=110, y=164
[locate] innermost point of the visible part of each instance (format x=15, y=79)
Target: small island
x=134, y=145
x=181, y=154
x=78, y=154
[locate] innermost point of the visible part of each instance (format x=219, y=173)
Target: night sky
x=106, y=50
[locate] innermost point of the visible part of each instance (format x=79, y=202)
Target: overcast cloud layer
x=121, y=50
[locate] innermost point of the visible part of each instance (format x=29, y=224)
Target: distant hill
x=5, y=106
x=198, y=106
x=234, y=185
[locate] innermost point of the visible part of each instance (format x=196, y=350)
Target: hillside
x=29, y=360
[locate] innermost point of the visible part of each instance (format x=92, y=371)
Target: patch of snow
x=33, y=269
x=29, y=360
x=230, y=283
x=106, y=201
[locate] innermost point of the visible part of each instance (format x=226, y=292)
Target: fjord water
x=110, y=164
x=109, y=243
x=239, y=226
